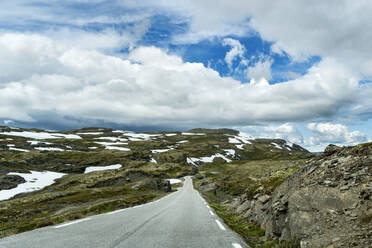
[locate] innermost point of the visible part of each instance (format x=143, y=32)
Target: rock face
x=327, y=203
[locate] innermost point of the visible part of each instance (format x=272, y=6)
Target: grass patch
x=249, y=231
x=294, y=243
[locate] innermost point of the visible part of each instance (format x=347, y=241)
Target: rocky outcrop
x=10, y=181
x=327, y=203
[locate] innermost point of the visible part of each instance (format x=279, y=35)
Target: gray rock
x=320, y=216
x=263, y=199
x=244, y=206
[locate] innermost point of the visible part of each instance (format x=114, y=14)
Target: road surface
x=180, y=220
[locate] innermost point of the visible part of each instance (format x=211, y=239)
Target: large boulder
x=325, y=204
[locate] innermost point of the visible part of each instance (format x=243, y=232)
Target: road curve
x=180, y=220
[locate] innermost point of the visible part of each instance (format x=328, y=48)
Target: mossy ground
x=79, y=195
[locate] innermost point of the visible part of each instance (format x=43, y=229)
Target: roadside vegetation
x=220, y=184
x=79, y=195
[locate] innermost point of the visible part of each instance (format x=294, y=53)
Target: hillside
x=48, y=177
x=322, y=202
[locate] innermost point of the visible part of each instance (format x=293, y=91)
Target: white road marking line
x=71, y=223
x=236, y=245
x=211, y=212
x=220, y=225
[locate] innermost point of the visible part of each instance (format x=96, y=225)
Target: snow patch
x=41, y=135
x=193, y=133
x=174, y=181
x=34, y=181
x=161, y=150
x=36, y=142
x=102, y=168
x=276, y=145
x=54, y=149
x=230, y=152
x=117, y=148
x=182, y=141
x=91, y=133
x=113, y=146
x=118, y=131
x=234, y=141
x=66, y=136
x=18, y=149
x=140, y=136
x=111, y=143
x=241, y=138
x=195, y=161
x=112, y=138
x=192, y=161
x=240, y=146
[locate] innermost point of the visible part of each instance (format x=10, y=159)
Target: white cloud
x=107, y=39
x=8, y=122
x=326, y=133
x=236, y=51
x=342, y=33
x=206, y=19
x=300, y=28
x=285, y=131
x=262, y=69
x=43, y=76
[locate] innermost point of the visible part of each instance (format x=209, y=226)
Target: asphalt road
x=180, y=220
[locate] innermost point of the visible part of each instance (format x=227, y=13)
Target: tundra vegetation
x=240, y=176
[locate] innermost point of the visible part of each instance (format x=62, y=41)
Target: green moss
x=294, y=243
x=366, y=219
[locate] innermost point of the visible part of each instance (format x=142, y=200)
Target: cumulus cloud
x=262, y=69
x=152, y=86
x=343, y=33
x=285, y=131
x=326, y=133
x=236, y=51
x=317, y=31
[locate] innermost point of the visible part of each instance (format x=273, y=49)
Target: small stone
x=346, y=187
x=263, y=199
x=243, y=207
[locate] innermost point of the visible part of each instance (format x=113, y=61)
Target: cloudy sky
x=296, y=70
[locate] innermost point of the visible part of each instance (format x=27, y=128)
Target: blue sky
x=301, y=74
